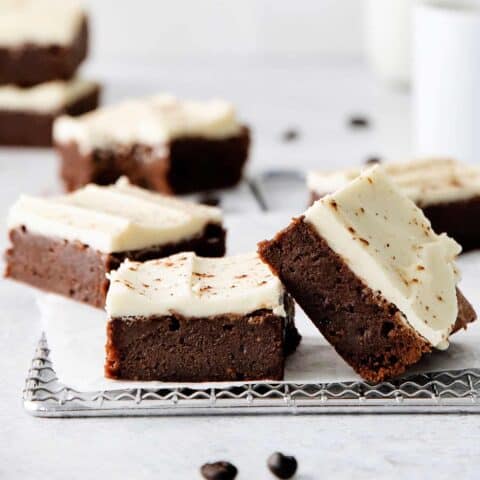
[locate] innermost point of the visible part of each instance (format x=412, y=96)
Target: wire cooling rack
x=441, y=392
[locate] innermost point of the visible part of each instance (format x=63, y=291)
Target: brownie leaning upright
x=42, y=44
x=376, y=280
x=160, y=143
x=67, y=244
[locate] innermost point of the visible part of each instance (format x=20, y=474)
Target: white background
x=161, y=29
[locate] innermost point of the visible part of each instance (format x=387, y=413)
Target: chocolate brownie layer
x=30, y=128
x=31, y=64
x=187, y=165
x=78, y=271
x=456, y=219
x=367, y=331
x=228, y=347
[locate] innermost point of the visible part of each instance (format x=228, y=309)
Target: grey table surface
x=316, y=97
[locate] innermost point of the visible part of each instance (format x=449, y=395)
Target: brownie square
x=161, y=143
x=31, y=64
x=31, y=128
x=68, y=244
x=368, y=270
x=239, y=325
x=367, y=331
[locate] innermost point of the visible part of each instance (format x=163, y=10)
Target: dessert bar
x=68, y=244
x=27, y=114
x=375, y=279
x=161, y=143
x=191, y=319
x=41, y=40
x=447, y=191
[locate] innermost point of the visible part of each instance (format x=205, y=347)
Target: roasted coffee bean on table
x=290, y=135
x=359, y=121
x=219, y=471
x=282, y=466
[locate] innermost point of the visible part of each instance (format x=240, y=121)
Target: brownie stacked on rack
x=42, y=44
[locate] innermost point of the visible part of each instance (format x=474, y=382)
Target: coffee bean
x=373, y=160
x=210, y=200
x=219, y=471
x=290, y=135
x=359, y=121
x=282, y=466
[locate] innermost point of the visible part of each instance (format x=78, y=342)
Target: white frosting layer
x=41, y=22
x=44, y=98
x=426, y=182
x=150, y=121
x=386, y=241
x=194, y=287
x=116, y=218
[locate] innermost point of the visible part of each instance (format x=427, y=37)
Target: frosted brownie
x=41, y=40
x=447, y=191
x=67, y=244
x=161, y=143
x=191, y=319
x=27, y=114
x=366, y=267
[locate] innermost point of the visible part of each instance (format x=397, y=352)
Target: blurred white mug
x=446, y=79
x=388, y=31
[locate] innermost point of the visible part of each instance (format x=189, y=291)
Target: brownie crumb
x=359, y=121
x=282, y=466
x=219, y=471
x=290, y=135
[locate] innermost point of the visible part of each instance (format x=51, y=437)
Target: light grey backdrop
x=147, y=29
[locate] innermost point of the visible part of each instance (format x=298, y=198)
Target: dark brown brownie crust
x=221, y=348
x=78, y=271
x=31, y=64
x=456, y=219
x=367, y=331
x=188, y=164
x=33, y=129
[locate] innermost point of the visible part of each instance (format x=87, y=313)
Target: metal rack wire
x=441, y=392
